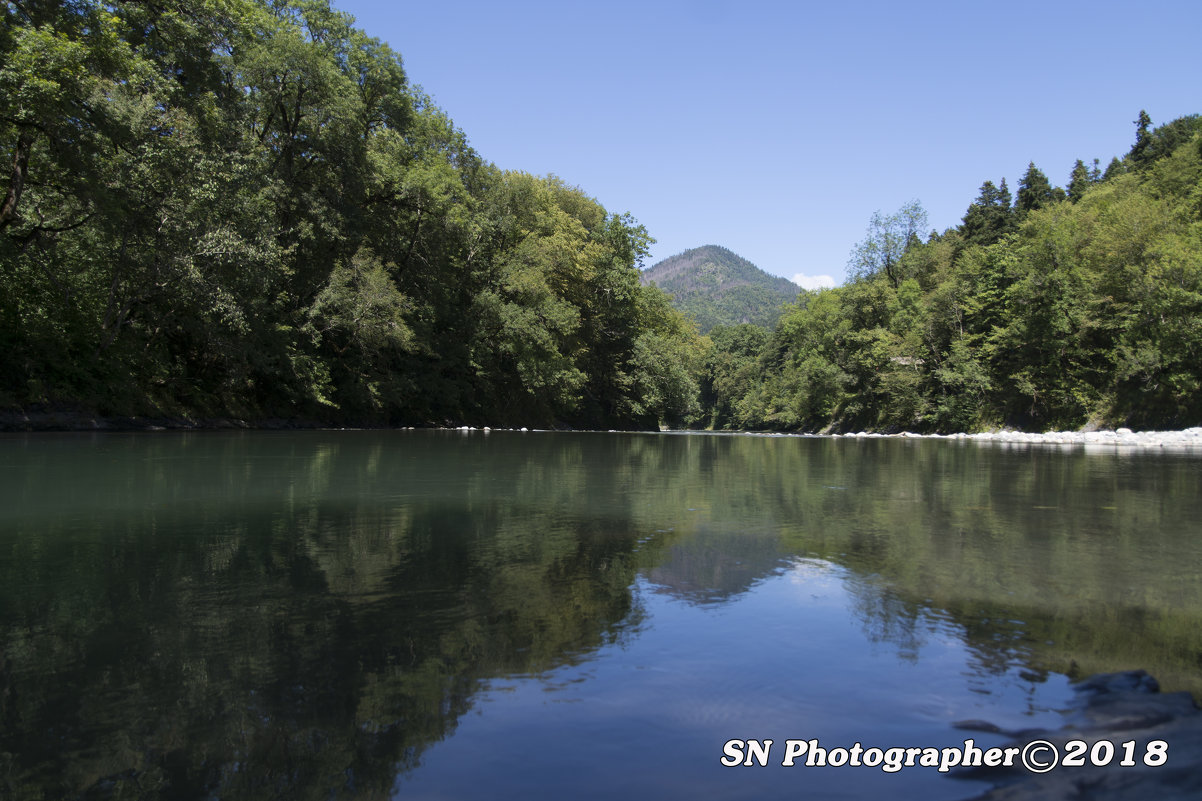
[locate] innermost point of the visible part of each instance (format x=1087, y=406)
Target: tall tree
x=990, y=216
x=1143, y=138
x=1034, y=191
x=886, y=242
x=1079, y=181
x=1115, y=168
x=1161, y=142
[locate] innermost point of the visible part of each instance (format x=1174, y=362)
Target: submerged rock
x=1117, y=708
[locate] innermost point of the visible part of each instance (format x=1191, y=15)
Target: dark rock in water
x=978, y=725
x=1131, y=681
x=1118, y=708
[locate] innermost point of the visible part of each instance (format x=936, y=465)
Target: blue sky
x=777, y=129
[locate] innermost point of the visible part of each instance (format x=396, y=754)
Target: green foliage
x=990, y=216
x=1162, y=142
x=731, y=371
x=241, y=207
x=1139, y=151
x=1080, y=180
x=665, y=363
x=886, y=242
x=1035, y=191
x=1077, y=313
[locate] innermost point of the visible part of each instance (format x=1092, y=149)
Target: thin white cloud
x=813, y=282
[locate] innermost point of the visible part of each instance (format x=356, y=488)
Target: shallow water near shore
x=445, y=614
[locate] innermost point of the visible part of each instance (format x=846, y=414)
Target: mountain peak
x=718, y=287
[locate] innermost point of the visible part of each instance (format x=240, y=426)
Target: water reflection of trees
x=1042, y=558
x=302, y=621
x=304, y=614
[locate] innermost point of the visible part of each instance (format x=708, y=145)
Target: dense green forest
x=1053, y=308
x=715, y=287
x=244, y=208
x=217, y=208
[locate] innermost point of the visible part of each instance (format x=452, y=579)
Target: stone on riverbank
x=1190, y=438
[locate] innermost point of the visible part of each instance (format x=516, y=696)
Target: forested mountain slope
x=717, y=287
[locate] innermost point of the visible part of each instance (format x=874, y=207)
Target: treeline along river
x=419, y=614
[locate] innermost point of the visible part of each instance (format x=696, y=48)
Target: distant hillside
x=717, y=287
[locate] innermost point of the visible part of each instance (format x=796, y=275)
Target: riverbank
x=26, y=421
x=1120, y=438
x=66, y=418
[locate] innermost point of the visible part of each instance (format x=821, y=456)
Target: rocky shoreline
x=36, y=420
x=1121, y=438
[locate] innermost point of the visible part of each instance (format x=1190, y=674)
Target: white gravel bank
x=1190, y=438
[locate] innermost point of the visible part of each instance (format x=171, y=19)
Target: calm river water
x=470, y=615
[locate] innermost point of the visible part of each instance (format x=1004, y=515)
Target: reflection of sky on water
x=567, y=614
x=794, y=657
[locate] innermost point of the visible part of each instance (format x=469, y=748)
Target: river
x=446, y=614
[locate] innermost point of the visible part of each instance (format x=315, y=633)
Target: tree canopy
x=1060, y=311
x=243, y=207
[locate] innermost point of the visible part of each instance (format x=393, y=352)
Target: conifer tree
x=1143, y=138
x=1034, y=191
x=990, y=216
x=1078, y=182
x=1004, y=199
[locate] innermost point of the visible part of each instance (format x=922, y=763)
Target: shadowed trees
x=243, y=208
